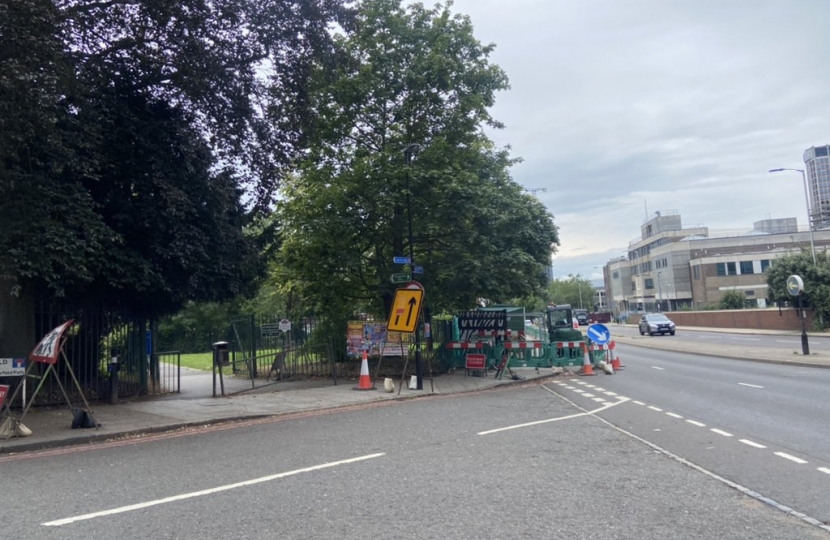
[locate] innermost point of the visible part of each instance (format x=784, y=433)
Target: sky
x=620, y=109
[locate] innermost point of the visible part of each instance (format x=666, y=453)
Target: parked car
x=656, y=323
x=581, y=316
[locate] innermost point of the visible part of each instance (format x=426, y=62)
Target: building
x=670, y=267
x=817, y=169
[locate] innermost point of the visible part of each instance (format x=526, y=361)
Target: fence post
x=252, y=324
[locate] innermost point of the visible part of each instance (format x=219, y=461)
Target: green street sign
x=400, y=278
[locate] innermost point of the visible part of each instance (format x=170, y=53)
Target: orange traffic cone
x=365, y=382
x=587, y=368
x=615, y=360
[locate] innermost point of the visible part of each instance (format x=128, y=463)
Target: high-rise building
x=817, y=167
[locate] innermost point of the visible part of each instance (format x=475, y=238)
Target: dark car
x=656, y=323
x=581, y=316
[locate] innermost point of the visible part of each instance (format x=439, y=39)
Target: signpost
x=476, y=362
x=269, y=330
x=284, y=325
x=795, y=286
x=599, y=334
x=402, y=260
x=12, y=367
x=400, y=278
x=418, y=270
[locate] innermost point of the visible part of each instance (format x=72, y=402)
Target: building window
x=633, y=287
x=731, y=269
x=764, y=265
x=615, y=275
x=649, y=283
x=721, y=269
x=750, y=293
x=696, y=271
x=746, y=267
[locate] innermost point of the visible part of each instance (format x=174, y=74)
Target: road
x=521, y=462
x=754, y=340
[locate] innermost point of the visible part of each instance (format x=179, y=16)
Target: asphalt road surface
x=752, y=340
x=533, y=461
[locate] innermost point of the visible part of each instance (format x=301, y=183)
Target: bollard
x=113, y=368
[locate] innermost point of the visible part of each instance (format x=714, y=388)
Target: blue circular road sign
x=599, y=334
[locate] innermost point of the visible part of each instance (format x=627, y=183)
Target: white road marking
x=787, y=341
x=825, y=470
x=599, y=399
x=749, y=385
x=586, y=394
x=791, y=458
x=674, y=415
x=655, y=367
x=590, y=386
x=578, y=391
x=721, y=432
x=598, y=389
x=653, y=408
x=570, y=387
x=610, y=394
x=210, y=491
x=622, y=397
x=746, y=338
x=581, y=382
x=538, y=422
x=696, y=423
x=638, y=402
x=750, y=443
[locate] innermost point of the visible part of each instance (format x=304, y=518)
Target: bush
x=732, y=300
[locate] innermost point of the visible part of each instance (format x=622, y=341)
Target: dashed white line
x=655, y=367
x=753, y=444
x=786, y=341
x=791, y=458
x=590, y=386
x=696, y=423
x=749, y=385
x=674, y=415
x=598, y=389
x=610, y=394
x=586, y=394
x=578, y=391
x=721, y=432
x=211, y=491
x=638, y=402
x=825, y=470
x=653, y=408
x=599, y=399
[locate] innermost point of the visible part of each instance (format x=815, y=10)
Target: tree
x=129, y=130
x=732, y=300
x=574, y=290
x=816, y=279
x=410, y=75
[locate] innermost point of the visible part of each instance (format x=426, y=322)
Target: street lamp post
x=408, y=153
x=659, y=292
x=807, y=202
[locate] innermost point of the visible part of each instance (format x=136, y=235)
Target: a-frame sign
x=48, y=351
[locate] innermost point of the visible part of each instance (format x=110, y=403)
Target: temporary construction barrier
x=615, y=360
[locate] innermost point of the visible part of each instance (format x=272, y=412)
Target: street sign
x=599, y=334
x=400, y=278
x=12, y=367
x=284, y=325
x=418, y=270
x=476, y=361
x=405, y=310
x=269, y=330
x=48, y=348
x=401, y=260
x=795, y=285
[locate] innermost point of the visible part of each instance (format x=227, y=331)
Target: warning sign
x=405, y=310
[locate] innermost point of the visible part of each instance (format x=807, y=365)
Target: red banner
x=47, y=351
x=4, y=389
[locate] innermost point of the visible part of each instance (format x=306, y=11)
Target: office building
x=817, y=169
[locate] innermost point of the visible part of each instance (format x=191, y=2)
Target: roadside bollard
x=113, y=368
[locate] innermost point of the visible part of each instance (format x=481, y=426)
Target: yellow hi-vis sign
x=405, y=310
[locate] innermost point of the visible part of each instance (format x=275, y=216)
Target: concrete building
x=670, y=267
x=817, y=169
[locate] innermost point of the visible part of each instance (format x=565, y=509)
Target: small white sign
x=12, y=367
x=285, y=325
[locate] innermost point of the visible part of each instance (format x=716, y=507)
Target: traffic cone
x=365, y=382
x=587, y=368
x=615, y=360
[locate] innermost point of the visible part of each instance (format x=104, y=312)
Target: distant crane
x=534, y=191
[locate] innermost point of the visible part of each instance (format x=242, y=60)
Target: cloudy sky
x=619, y=106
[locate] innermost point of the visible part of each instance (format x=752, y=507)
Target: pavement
x=193, y=407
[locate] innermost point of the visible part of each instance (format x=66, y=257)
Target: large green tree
x=574, y=290
x=128, y=131
x=816, y=277
x=410, y=75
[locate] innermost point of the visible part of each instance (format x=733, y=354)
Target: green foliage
x=732, y=300
x=574, y=290
x=816, y=279
x=409, y=75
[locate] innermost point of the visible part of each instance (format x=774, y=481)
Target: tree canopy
x=574, y=290
x=409, y=75
x=129, y=130
x=816, y=279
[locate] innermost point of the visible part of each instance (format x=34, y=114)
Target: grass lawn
x=203, y=361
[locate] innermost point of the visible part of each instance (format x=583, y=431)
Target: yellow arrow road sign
x=405, y=309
